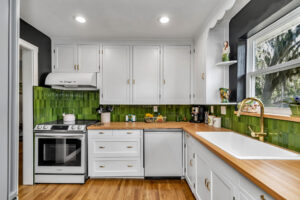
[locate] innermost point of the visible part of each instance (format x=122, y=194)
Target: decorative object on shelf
x=294, y=104
x=224, y=94
x=226, y=51
x=250, y=107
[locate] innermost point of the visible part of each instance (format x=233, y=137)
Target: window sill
x=272, y=116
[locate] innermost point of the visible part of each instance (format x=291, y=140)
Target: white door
x=145, y=74
x=176, y=75
x=88, y=58
x=221, y=188
x=115, y=75
x=203, y=185
x=65, y=58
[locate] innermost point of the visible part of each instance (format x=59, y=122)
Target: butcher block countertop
x=279, y=178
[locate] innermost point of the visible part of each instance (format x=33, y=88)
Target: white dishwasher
x=163, y=153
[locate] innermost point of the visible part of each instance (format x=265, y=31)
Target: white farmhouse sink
x=243, y=147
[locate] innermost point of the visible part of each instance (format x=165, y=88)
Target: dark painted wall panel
x=43, y=42
x=255, y=12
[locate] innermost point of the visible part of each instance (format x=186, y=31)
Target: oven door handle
x=59, y=135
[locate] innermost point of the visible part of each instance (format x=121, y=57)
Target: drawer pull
x=101, y=147
x=129, y=133
x=129, y=147
x=101, y=132
x=262, y=197
x=101, y=166
x=191, y=162
x=205, y=182
x=208, y=186
x=129, y=165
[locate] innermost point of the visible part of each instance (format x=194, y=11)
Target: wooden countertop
x=279, y=178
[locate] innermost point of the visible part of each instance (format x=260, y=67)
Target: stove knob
x=81, y=127
x=39, y=127
x=74, y=127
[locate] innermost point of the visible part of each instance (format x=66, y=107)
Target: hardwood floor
x=109, y=189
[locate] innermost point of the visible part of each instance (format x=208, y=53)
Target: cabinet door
x=65, y=58
x=221, y=188
x=115, y=75
x=203, y=180
x=190, y=162
x=88, y=58
x=176, y=75
x=145, y=75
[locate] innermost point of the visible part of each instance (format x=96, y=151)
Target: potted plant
x=294, y=104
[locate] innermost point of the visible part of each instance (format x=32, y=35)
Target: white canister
x=217, y=122
x=69, y=118
x=105, y=117
x=211, y=120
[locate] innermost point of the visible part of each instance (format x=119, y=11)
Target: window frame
x=283, y=24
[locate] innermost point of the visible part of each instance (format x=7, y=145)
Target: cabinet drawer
x=110, y=148
x=126, y=133
x=100, y=133
x=115, y=167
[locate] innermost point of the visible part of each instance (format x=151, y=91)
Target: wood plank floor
x=109, y=189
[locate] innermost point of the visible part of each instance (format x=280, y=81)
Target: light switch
x=212, y=109
x=223, y=110
x=155, y=108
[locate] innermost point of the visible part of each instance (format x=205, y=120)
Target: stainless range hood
x=72, y=81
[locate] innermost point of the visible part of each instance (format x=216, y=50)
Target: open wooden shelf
x=272, y=116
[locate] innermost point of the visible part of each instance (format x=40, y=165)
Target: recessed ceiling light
x=80, y=19
x=164, y=20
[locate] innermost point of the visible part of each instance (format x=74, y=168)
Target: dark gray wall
x=255, y=12
x=43, y=42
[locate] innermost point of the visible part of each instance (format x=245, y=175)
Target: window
x=273, y=65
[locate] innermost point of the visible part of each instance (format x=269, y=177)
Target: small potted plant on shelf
x=294, y=104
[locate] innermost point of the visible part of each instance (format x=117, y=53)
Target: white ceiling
x=117, y=19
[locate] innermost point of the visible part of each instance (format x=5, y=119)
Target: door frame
x=30, y=79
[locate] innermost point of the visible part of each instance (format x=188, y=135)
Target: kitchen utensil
x=105, y=117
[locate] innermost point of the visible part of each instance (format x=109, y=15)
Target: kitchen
x=151, y=100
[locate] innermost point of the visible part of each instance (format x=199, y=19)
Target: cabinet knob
x=101, y=147
x=128, y=81
x=101, y=132
x=129, y=165
x=262, y=197
x=208, y=186
x=74, y=67
x=129, y=147
x=133, y=81
x=203, y=76
x=101, y=166
x=191, y=162
x=129, y=133
x=164, y=81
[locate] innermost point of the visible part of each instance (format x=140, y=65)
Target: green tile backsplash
x=283, y=133
x=50, y=104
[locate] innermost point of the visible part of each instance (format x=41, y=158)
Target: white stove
x=61, y=152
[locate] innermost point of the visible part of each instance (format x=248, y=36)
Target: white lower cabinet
x=115, y=153
x=210, y=178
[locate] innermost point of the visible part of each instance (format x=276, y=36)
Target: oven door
x=57, y=153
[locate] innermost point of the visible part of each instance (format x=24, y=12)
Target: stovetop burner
x=60, y=126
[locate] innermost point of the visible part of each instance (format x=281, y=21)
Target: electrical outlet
x=223, y=110
x=155, y=108
x=212, y=109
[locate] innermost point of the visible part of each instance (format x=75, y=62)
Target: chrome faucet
x=260, y=135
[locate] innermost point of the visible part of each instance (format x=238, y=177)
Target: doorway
x=28, y=77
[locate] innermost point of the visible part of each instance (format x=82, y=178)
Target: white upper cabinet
x=115, y=75
x=76, y=58
x=145, y=74
x=176, y=75
x=88, y=58
x=65, y=58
